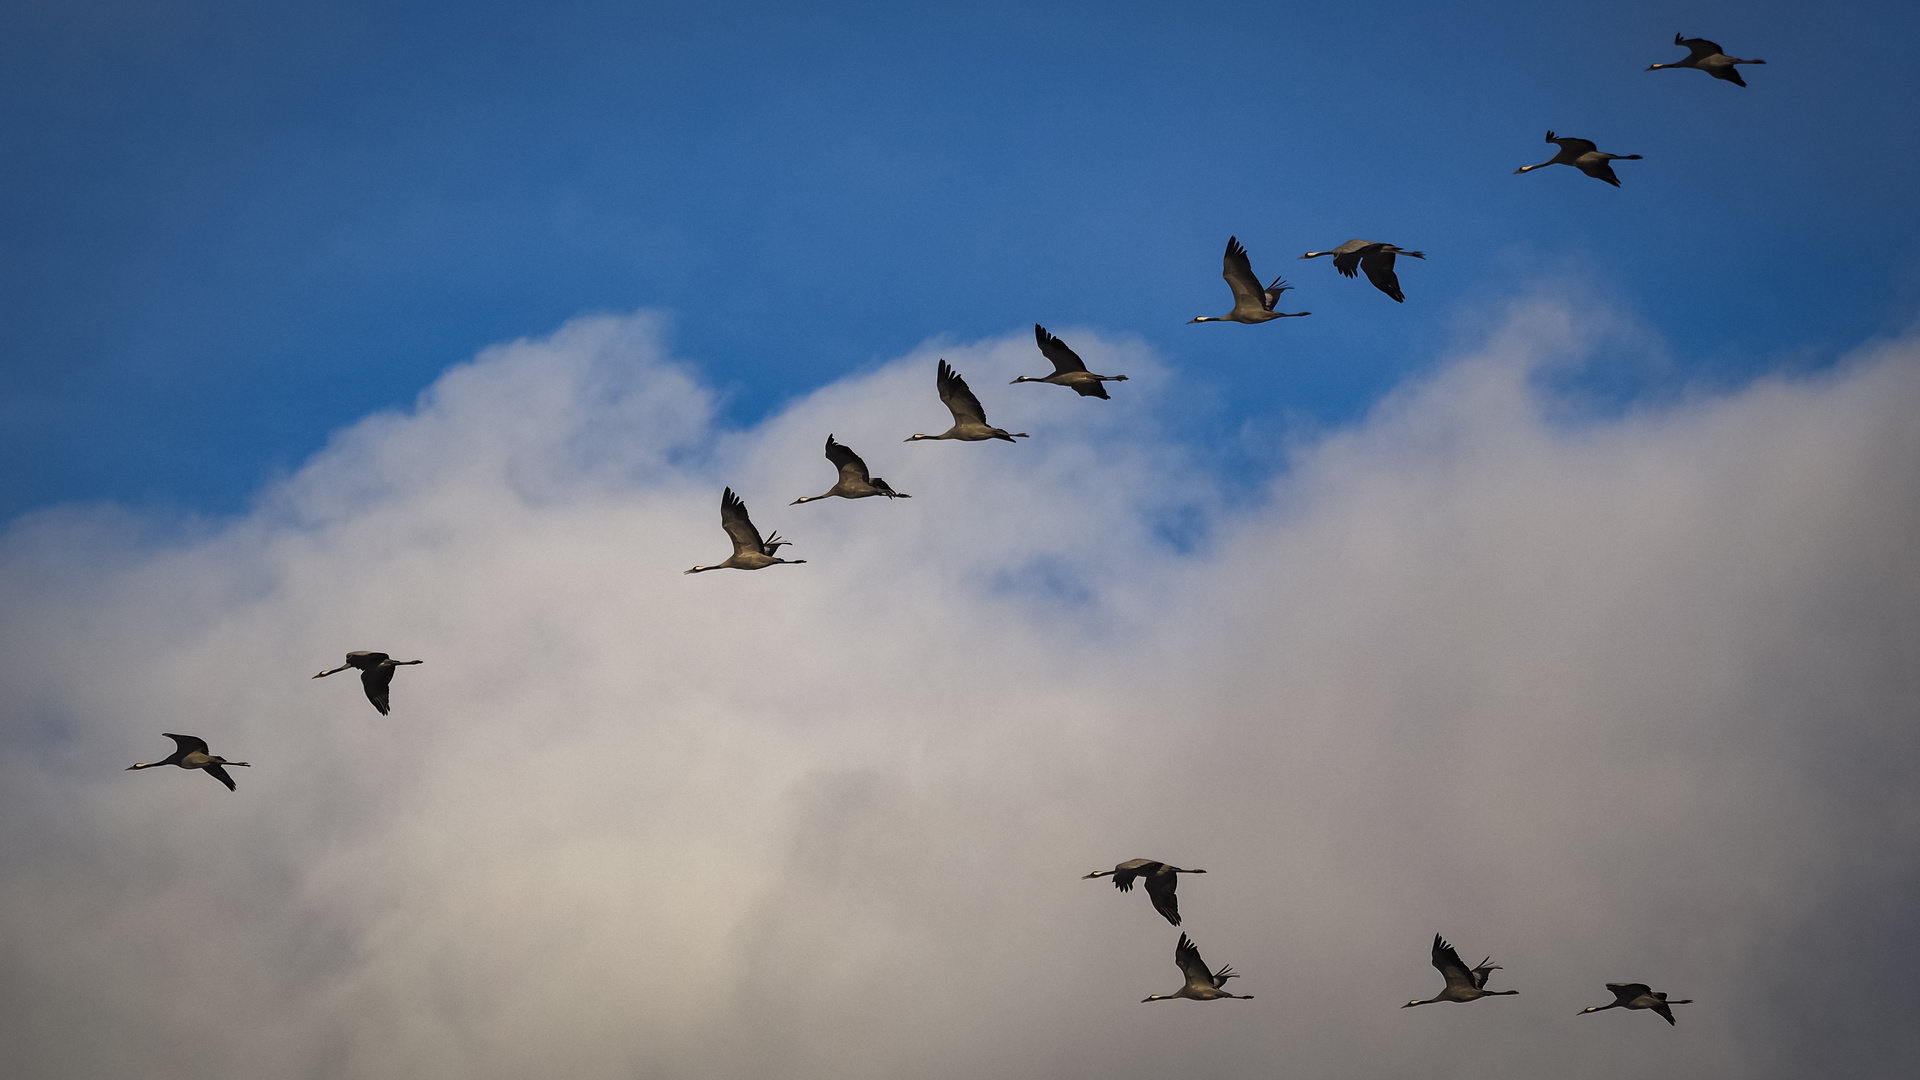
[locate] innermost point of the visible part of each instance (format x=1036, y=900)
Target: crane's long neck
x=1599, y=1008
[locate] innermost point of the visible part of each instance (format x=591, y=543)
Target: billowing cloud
x=1627, y=698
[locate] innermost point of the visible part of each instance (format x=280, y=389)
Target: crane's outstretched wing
x=848, y=462
x=187, y=743
x=1065, y=360
x=1625, y=992
x=1238, y=270
x=220, y=774
x=733, y=518
x=958, y=396
x=1187, y=955
x=375, y=680
x=1574, y=146
x=1160, y=889
x=1379, y=268
x=1698, y=48
x=1448, y=963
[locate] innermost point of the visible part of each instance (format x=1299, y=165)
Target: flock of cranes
x=1463, y=983
x=1252, y=303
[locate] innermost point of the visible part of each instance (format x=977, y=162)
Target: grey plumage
x=1161, y=881
x=1202, y=984
x=969, y=419
x=376, y=674
x=1582, y=155
x=1704, y=55
x=1251, y=302
x=190, y=752
x=1638, y=996
x=1375, y=259
x=1068, y=368
x=1463, y=983
x=750, y=552
x=854, y=482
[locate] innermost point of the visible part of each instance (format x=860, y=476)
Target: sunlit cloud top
x=1625, y=698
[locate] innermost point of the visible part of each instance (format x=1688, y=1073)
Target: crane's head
x=1411, y=1004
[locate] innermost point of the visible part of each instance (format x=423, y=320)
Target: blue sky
x=233, y=228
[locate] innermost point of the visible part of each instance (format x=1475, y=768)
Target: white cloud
x=1618, y=699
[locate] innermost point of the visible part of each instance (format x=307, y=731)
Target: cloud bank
x=1620, y=699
